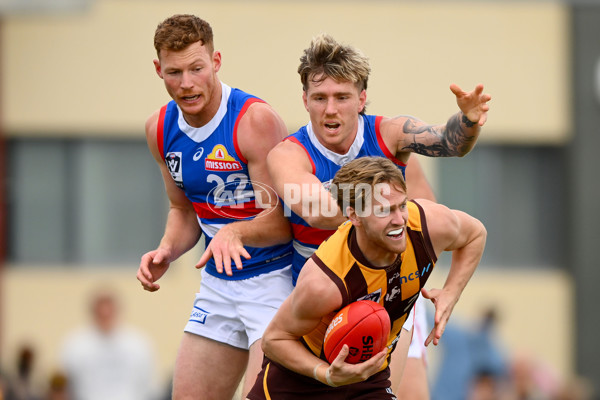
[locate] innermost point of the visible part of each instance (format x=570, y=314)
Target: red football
x=363, y=325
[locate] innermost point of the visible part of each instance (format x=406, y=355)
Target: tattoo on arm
x=439, y=140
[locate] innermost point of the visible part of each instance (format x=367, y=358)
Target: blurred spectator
x=20, y=386
x=488, y=354
x=58, y=388
x=456, y=366
x=485, y=385
x=472, y=362
x=3, y=386
x=575, y=389
x=531, y=380
x=107, y=361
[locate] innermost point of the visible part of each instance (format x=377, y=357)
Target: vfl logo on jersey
x=173, y=161
x=374, y=296
x=220, y=160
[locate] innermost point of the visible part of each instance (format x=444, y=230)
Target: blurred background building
x=81, y=198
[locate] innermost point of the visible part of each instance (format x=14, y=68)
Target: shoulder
x=334, y=253
x=443, y=223
x=290, y=147
x=436, y=214
x=152, y=132
x=291, y=154
x=259, y=130
x=262, y=118
x=152, y=124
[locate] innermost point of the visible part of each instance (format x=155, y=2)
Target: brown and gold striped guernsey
x=396, y=287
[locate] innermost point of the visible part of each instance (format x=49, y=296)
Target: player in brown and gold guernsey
x=385, y=253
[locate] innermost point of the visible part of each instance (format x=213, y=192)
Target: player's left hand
x=225, y=246
x=444, y=304
x=474, y=105
x=342, y=373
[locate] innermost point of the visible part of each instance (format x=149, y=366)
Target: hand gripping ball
x=363, y=325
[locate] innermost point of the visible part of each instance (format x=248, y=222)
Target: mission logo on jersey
x=220, y=160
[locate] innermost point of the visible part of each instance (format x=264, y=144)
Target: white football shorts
x=237, y=312
x=417, y=347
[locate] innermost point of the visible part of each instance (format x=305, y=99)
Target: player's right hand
x=224, y=247
x=342, y=373
x=153, y=265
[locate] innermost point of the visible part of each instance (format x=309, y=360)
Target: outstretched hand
x=225, y=246
x=444, y=304
x=342, y=373
x=474, y=104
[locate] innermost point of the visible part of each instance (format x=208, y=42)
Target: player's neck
x=374, y=254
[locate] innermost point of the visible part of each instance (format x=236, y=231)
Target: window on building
x=83, y=202
x=519, y=193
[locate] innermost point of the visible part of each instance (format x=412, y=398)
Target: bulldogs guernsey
x=325, y=164
x=207, y=165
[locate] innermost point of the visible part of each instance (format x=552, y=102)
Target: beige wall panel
x=92, y=73
x=535, y=309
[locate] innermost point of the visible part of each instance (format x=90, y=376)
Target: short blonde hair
x=327, y=58
x=364, y=171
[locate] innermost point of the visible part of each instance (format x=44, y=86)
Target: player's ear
x=305, y=100
x=158, y=69
x=216, y=60
x=362, y=97
x=352, y=216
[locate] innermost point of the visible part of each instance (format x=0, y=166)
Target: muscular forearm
x=292, y=355
x=454, y=139
x=268, y=228
x=182, y=232
x=464, y=262
x=460, y=135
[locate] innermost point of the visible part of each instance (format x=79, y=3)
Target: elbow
x=482, y=234
x=266, y=344
x=465, y=149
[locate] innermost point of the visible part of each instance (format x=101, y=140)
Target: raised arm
x=260, y=129
x=416, y=183
x=182, y=231
x=464, y=236
x=457, y=137
x=300, y=189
